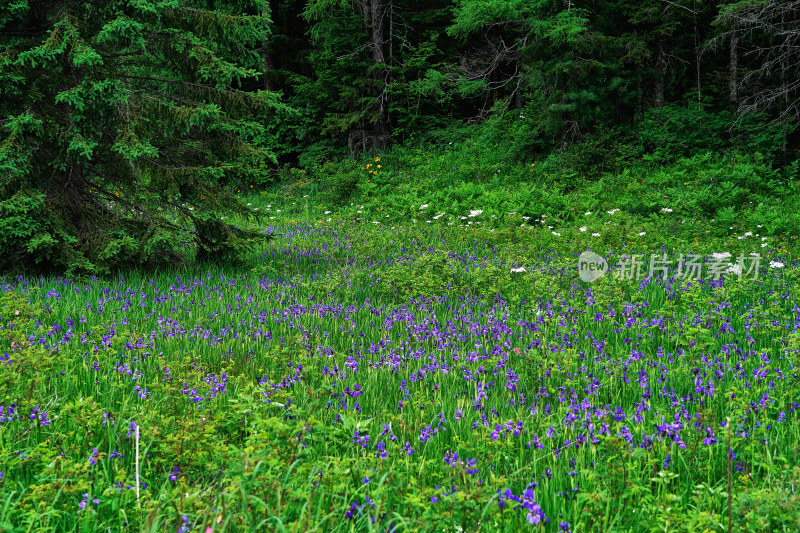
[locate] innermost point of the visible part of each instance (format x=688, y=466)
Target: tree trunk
x=638, y=107
x=696, y=57
x=733, y=64
x=376, y=42
x=661, y=74
x=376, y=10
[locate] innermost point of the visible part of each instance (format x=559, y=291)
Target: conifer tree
x=769, y=35
x=121, y=123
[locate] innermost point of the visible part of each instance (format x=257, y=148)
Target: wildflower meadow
x=386, y=375
x=391, y=266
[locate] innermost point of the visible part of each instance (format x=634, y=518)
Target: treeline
x=364, y=74
x=125, y=123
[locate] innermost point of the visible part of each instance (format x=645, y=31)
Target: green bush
x=674, y=131
x=337, y=183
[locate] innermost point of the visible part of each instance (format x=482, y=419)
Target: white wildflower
x=475, y=212
x=423, y=206
x=666, y=210
x=775, y=264
x=582, y=228
x=517, y=270
x=595, y=234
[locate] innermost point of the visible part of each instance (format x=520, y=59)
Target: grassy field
x=397, y=367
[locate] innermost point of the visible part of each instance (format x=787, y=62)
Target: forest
x=391, y=265
x=127, y=124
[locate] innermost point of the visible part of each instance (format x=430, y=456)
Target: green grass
x=254, y=388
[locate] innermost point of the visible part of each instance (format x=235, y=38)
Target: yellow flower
x=377, y=159
x=379, y=166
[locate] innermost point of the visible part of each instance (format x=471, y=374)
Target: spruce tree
x=122, y=122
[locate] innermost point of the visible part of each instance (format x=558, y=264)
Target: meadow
x=413, y=361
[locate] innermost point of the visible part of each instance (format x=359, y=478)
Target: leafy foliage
x=123, y=126
x=673, y=132
x=471, y=390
